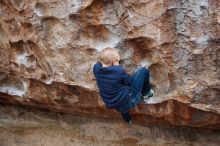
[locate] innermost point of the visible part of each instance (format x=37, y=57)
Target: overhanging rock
x=47, y=50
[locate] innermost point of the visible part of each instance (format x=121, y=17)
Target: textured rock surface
x=25, y=127
x=48, y=47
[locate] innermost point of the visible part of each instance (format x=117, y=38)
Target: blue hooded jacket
x=113, y=83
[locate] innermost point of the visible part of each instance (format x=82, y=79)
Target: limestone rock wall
x=34, y=127
x=48, y=48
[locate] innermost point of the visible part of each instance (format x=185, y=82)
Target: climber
x=117, y=89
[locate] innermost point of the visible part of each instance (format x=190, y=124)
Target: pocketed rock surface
x=48, y=48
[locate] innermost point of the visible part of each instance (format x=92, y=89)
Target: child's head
x=109, y=56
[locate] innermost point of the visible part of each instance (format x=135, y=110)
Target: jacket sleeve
x=126, y=78
x=96, y=66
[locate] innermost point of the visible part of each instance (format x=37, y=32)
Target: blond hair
x=107, y=55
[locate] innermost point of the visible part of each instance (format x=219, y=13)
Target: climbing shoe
x=129, y=123
x=150, y=94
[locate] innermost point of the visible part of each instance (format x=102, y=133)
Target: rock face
x=31, y=127
x=48, y=48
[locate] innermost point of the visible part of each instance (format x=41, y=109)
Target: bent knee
x=144, y=70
